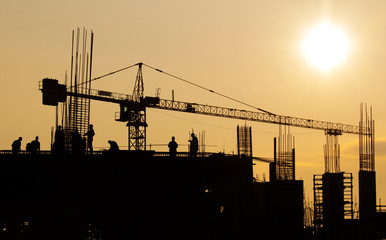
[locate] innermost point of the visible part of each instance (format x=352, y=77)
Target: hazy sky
x=249, y=50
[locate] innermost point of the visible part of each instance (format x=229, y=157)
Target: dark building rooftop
x=137, y=195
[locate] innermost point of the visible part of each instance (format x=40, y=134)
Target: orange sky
x=249, y=50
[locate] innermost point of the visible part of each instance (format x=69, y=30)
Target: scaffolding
x=318, y=202
x=348, y=203
x=333, y=199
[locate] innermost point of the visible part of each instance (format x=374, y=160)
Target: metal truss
x=226, y=112
x=254, y=116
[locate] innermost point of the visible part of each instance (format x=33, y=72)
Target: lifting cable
x=207, y=89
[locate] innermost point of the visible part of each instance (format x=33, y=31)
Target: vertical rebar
x=71, y=79
x=89, y=75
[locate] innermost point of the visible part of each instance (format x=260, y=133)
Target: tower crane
x=133, y=110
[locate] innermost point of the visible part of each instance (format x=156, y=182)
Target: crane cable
x=207, y=89
x=105, y=75
x=181, y=79
x=117, y=71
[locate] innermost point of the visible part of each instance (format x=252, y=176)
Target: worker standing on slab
x=193, y=145
x=173, y=147
x=90, y=137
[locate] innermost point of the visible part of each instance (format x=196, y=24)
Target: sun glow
x=325, y=46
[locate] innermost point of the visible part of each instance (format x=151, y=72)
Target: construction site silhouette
x=73, y=191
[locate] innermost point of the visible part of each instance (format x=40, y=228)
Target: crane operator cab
x=129, y=110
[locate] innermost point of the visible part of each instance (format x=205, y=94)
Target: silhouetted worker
x=90, y=136
x=173, y=147
x=113, y=146
x=193, y=145
x=28, y=147
x=16, y=145
x=35, y=146
x=59, y=139
x=76, y=142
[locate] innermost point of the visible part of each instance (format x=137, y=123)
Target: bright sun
x=325, y=46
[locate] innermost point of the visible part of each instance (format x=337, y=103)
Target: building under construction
x=76, y=193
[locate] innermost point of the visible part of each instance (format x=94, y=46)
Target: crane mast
x=136, y=116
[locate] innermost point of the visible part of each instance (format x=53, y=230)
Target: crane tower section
x=136, y=115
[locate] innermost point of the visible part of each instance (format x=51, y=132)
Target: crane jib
x=172, y=105
x=257, y=116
